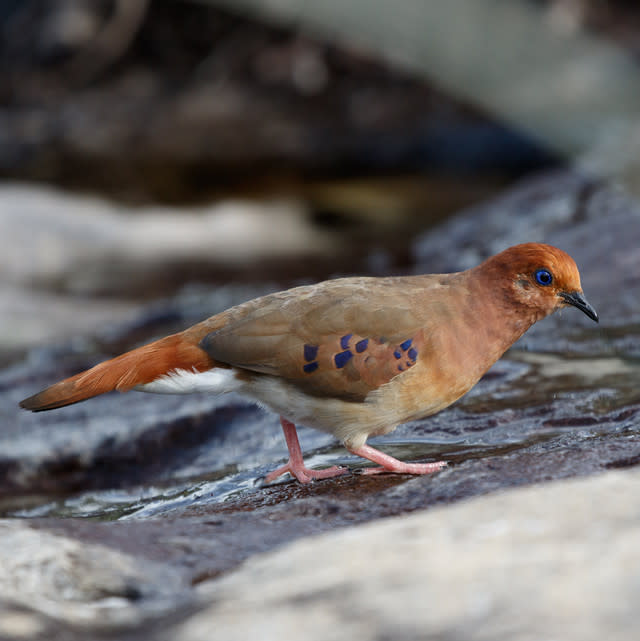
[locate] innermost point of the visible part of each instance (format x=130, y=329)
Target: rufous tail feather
x=137, y=367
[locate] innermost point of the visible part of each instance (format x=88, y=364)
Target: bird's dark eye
x=543, y=277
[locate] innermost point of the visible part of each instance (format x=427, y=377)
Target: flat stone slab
x=555, y=561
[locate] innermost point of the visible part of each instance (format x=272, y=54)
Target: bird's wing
x=340, y=338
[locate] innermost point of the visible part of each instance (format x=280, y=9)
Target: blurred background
x=149, y=146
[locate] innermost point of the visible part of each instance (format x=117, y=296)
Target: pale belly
x=350, y=422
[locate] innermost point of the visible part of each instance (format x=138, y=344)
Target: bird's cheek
x=554, y=304
x=527, y=295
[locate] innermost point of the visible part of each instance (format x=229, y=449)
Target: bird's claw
x=305, y=474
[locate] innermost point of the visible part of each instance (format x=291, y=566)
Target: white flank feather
x=182, y=381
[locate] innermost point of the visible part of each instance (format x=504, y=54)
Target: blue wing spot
x=400, y=368
x=410, y=363
x=412, y=354
x=397, y=354
x=310, y=367
x=342, y=358
x=362, y=345
x=310, y=352
x=344, y=341
x=406, y=345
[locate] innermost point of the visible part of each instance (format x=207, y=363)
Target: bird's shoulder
x=342, y=338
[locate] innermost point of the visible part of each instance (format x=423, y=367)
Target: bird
x=354, y=357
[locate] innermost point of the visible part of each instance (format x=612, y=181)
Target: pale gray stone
x=79, y=583
x=556, y=561
x=60, y=253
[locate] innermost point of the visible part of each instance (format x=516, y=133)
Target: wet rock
x=136, y=438
x=182, y=475
x=73, y=266
x=118, y=441
x=546, y=560
x=554, y=561
x=180, y=101
x=88, y=246
x=25, y=325
x=595, y=222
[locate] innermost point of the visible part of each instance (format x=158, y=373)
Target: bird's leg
x=295, y=466
x=390, y=464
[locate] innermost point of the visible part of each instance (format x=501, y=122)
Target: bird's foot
x=303, y=473
x=295, y=465
x=406, y=468
x=389, y=464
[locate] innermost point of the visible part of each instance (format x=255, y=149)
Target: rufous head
x=539, y=277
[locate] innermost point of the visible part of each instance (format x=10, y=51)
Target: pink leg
x=295, y=466
x=390, y=464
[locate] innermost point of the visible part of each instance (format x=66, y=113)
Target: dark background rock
x=198, y=102
x=595, y=222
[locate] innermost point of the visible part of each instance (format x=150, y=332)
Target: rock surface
x=597, y=223
x=91, y=255
x=558, y=561
x=175, y=480
x=79, y=583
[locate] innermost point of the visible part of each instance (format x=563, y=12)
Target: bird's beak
x=578, y=300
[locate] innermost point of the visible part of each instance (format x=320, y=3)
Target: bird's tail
x=137, y=367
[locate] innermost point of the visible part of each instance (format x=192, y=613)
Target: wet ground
x=177, y=482
x=537, y=417
x=530, y=404
x=179, y=479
